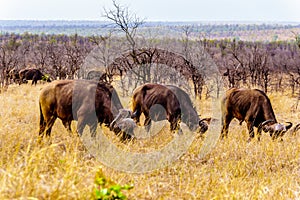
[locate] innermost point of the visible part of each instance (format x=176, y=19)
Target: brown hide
x=31, y=74
x=88, y=102
x=249, y=105
x=162, y=102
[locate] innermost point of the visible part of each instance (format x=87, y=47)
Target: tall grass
x=62, y=168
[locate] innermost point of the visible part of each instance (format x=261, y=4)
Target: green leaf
x=97, y=194
x=116, y=188
x=100, y=181
x=127, y=187
x=105, y=192
x=121, y=196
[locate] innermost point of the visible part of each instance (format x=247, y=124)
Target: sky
x=155, y=10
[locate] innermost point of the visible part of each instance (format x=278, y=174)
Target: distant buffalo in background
x=32, y=74
x=94, y=75
x=99, y=76
x=13, y=75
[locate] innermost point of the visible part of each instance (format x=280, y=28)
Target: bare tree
x=9, y=58
x=126, y=20
x=187, y=30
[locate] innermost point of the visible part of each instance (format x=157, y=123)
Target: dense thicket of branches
x=267, y=65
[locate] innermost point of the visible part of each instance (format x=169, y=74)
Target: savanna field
x=62, y=168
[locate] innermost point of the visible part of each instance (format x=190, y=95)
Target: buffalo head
x=203, y=125
x=275, y=129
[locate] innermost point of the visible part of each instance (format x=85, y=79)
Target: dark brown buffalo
x=32, y=74
x=254, y=107
x=88, y=102
x=161, y=102
x=157, y=102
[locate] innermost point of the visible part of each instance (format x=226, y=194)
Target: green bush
x=106, y=190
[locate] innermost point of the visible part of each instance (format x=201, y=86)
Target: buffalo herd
x=23, y=75
x=96, y=102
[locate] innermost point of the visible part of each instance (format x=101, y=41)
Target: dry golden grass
x=61, y=167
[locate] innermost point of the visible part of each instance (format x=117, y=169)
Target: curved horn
x=297, y=127
x=289, y=126
x=264, y=123
x=112, y=124
x=208, y=119
x=201, y=120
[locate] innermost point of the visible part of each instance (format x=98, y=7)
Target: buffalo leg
x=136, y=114
x=42, y=123
x=80, y=126
x=82, y=121
x=225, y=125
x=67, y=125
x=251, y=131
x=49, y=125
x=259, y=133
x=93, y=128
x=42, y=128
x=34, y=80
x=174, y=123
x=147, y=122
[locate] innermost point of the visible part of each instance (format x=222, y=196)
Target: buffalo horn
x=264, y=123
x=297, y=127
x=289, y=126
x=208, y=119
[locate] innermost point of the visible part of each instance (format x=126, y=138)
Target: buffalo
x=32, y=74
x=254, y=107
x=160, y=102
x=13, y=75
x=94, y=75
x=88, y=102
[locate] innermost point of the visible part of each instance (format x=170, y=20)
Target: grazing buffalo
x=13, y=75
x=254, y=107
x=88, y=102
x=161, y=102
x=32, y=74
x=94, y=75
x=99, y=76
